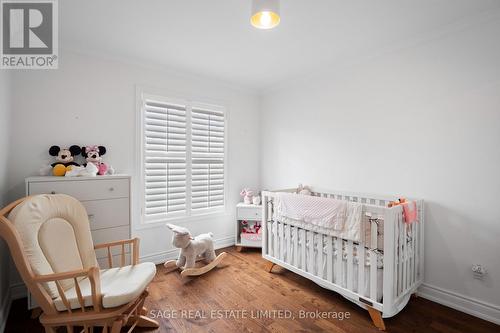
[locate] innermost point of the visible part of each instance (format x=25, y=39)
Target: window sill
x=182, y=220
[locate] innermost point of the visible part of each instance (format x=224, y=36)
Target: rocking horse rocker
x=192, y=250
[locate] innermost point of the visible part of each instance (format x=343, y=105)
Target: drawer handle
x=53, y=192
x=91, y=216
x=111, y=189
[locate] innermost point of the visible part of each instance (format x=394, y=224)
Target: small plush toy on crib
x=304, y=190
x=200, y=247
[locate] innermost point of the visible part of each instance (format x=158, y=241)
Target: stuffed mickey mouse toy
x=64, y=159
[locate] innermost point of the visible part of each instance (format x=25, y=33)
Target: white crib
x=383, y=288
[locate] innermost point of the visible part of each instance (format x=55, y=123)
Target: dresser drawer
x=110, y=235
x=250, y=213
x=107, y=213
x=84, y=189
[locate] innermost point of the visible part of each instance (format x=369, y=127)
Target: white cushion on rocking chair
x=119, y=286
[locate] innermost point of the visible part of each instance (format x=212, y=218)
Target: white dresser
x=106, y=199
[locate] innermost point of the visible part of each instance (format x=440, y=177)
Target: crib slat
x=410, y=258
x=396, y=256
x=275, y=240
x=412, y=281
x=373, y=261
x=338, y=261
x=373, y=275
x=414, y=247
x=303, y=250
x=401, y=257
x=421, y=232
x=417, y=249
x=295, y=247
x=329, y=258
x=311, y=251
x=269, y=235
x=265, y=223
x=272, y=237
x=350, y=265
x=288, y=236
x=361, y=268
x=405, y=260
x=319, y=249
x=281, y=241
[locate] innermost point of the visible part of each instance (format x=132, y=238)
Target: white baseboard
x=469, y=305
x=161, y=257
x=224, y=242
x=18, y=291
x=4, y=310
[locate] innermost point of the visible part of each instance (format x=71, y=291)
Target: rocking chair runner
x=51, y=244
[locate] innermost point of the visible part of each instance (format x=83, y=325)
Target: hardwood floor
x=242, y=283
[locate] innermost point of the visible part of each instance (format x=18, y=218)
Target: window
x=183, y=155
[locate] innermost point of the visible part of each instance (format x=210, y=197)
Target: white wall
x=422, y=121
x=92, y=100
x=4, y=147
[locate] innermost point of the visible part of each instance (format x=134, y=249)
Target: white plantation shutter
x=207, y=155
x=165, y=134
x=183, y=159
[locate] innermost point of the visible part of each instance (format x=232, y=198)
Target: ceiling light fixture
x=265, y=14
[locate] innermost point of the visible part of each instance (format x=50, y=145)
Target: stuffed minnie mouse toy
x=93, y=154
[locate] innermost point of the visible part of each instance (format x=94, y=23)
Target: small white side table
x=245, y=212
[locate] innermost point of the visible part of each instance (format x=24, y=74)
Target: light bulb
x=265, y=19
x=265, y=14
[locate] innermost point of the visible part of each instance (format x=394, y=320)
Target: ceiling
x=214, y=37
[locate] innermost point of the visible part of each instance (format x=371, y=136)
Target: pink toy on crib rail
x=409, y=209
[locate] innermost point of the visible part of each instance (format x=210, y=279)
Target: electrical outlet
x=478, y=270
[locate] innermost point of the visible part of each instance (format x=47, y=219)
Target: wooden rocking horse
x=193, y=249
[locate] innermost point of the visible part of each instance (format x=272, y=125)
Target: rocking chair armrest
x=116, y=243
x=134, y=247
x=67, y=275
x=92, y=273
